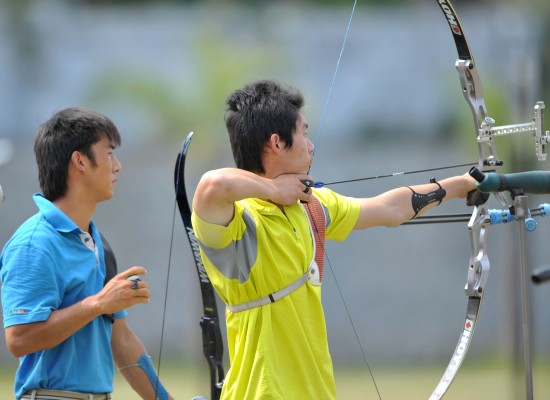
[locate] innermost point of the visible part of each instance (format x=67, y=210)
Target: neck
x=80, y=212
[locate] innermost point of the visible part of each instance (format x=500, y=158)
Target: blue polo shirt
x=47, y=266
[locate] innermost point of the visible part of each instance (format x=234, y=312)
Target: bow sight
x=473, y=93
x=487, y=131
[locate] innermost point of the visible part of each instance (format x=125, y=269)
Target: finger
x=135, y=270
x=134, y=281
x=306, y=198
x=308, y=183
x=141, y=292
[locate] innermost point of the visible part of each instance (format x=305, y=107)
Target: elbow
x=16, y=348
x=212, y=185
x=13, y=344
x=212, y=179
x=21, y=348
x=18, y=344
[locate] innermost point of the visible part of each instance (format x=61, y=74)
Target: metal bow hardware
x=212, y=341
x=479, y=265
x=472, y=90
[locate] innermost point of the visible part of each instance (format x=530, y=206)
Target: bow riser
x=479, y=267
x=472, y=89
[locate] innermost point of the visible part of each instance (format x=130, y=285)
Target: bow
x=212, y=342
x=478, y=269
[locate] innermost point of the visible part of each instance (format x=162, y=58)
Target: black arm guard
x=421, y=200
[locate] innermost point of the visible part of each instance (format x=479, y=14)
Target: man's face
x=299, y=157
x=103, y=176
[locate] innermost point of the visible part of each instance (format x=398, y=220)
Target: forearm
x=129, y=353
x=126, y=355
x=440, y=192
x=117, y=295
x=396, y=206
x=29, y=338
x=218, y=190
x=458, y=187
x=227, y=185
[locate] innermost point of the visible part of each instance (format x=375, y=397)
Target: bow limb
x=471, y=86
x=212, y=341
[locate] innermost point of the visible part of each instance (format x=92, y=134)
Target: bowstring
x=322, y=120
x=165, y=298
x=348, y=313
x=321, y=123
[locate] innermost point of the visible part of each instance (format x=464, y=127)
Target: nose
x=117, y=166
x=310, y=146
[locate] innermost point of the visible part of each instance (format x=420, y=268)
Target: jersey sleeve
x=343, y=213
x=30, y=290
x=218, y=236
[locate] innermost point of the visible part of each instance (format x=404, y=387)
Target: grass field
x=487, y=381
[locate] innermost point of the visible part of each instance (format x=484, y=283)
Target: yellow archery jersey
x=280, y=350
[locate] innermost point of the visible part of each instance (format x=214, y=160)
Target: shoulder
x=341, y=211
x=35, y=241
x=33, y=232
x=332, y=200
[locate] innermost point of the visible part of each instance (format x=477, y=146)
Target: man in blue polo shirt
x=63, y=307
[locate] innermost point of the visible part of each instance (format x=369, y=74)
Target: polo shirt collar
x=57, y=218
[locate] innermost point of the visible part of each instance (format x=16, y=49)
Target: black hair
x=67, y=131
x=254, y=113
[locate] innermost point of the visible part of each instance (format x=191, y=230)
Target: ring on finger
x=306, y=190
x=135, y=281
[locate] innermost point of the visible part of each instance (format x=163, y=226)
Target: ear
x=78, y=161
x=275, y=143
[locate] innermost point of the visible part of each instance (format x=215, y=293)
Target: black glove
x=476, y=198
